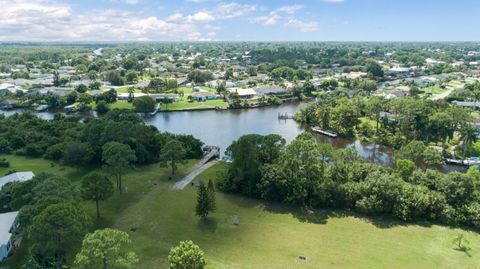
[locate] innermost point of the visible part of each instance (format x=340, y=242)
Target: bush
x=4, y=163
x=186, y=255
x=144, y=104
x=102, y=107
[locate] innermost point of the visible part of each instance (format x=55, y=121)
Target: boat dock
x=285, y=116
x=323, y=132
x=157, y=108
x=466, y=162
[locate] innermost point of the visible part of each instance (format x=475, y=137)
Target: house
x=203, y=96
x=70, y=108
x=165, y=97
x=271, y=90
x=8, y=225
x=125, y=96
x=354, y=75
x=16, y=177
x=244, y=93
x=4, y=87
x=472, y=105
x=95, y=92
x=7, y=104
x=399, y=69
x=431, y=61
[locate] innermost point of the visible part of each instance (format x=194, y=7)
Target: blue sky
x=242, y=20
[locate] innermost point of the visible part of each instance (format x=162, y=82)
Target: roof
x=16, y=177
x=6, y=222
x=202, y=94
x=270, y=90
x=244, y=92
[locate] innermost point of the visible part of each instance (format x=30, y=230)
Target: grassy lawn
x=269, y=235
x=185, y=104
x=121, y=105
x=433, y=90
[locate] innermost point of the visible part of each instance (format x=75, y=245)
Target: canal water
x=222, y=127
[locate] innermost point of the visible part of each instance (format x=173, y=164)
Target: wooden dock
x=323, y=132
x=466, y=162
x=285, y=116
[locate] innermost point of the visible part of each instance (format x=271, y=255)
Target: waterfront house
x=270, y=90
x=203, y=96
x=165, y=97
x=8, y=225
x=16, y=177
x=244, y=93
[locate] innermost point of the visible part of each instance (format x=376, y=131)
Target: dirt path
x=182, y=183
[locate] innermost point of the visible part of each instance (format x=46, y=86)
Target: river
x=222, y=127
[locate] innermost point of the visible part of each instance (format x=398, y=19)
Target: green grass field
x=121, y=105
x=433, y=90
x=269, y=235
x=185, y=104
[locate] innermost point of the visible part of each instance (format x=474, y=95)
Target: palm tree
x=468, y=136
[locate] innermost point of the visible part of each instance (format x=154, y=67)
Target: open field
x=269, y=235
x=185, y=104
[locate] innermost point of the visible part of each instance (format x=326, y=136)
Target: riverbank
x=162, y=217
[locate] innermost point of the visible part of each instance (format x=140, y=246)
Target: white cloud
x=201, y=1
x=272, y=19
x=233, y=10
x=130, y=2
x=289, y=9
x=276, y=15
x=201, y=16
x=302, y=26
x=45, y=20
x=333, y=1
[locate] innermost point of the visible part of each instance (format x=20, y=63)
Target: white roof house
x=244, y=92
x=16, y=177
x=7, y=226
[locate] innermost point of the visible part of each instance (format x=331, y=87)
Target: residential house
x=16, y=177
x=270, y=90
x=244, y=93
x=8, y=225
x=95, y=93
x=399, y=69
x=8, y=87
x=7, y=104
x=354, y=75
x=203, y=96
x=165, y=97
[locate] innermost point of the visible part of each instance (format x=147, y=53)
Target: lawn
x=121, y=105
x=185, y=104
x=433, y=90
x=269, y=235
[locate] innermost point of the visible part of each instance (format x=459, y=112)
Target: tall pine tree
x=211, y=195
x=205, y=200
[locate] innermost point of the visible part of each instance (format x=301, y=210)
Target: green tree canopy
x=117, y=158
x=107, y=249
x=187, y=255
x=96, y=187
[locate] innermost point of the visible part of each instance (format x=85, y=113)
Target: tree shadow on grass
x=466, y=251
x=319, y=215
x=207, y=225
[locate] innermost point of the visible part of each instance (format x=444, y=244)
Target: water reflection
x=221, y=128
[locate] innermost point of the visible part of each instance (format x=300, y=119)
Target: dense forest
x=315, y=175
